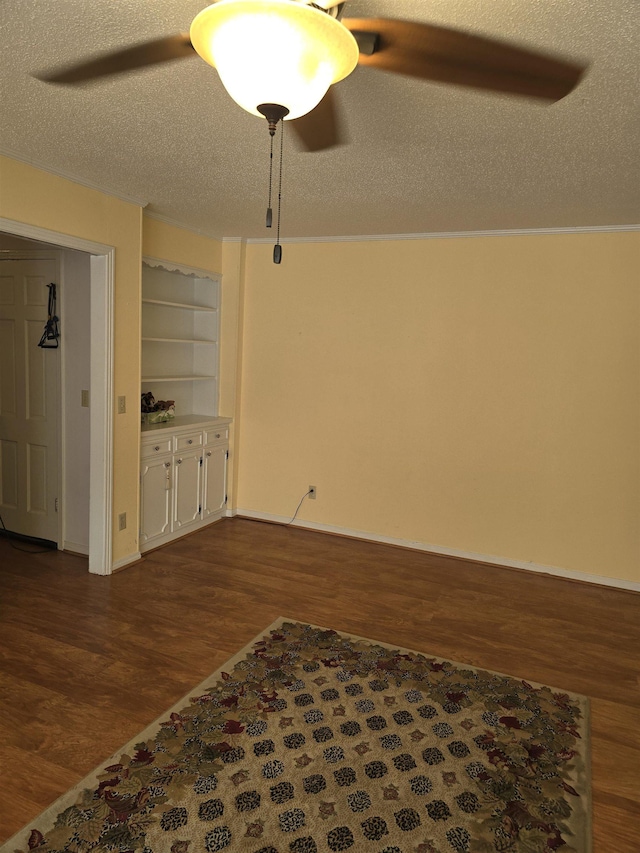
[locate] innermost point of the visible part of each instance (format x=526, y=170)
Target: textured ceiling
x=422, y=157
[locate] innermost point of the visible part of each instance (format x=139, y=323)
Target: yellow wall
x=480, y=394
x=38, y=198
x=231, y=343
x=474, y=394
x=170, y=243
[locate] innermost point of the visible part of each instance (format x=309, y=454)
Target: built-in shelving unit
x=180, y=330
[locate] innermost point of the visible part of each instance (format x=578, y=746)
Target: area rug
x=310, y=741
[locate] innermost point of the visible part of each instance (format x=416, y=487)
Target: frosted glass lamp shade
x=274, y=52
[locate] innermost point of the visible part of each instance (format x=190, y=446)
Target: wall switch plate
x=122, y=521
x=122, y=405
x=84, y=399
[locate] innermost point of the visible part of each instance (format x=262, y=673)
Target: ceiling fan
x=278, y=58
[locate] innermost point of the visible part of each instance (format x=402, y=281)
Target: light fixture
x=274, y=52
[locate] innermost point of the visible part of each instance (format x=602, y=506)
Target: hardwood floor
x=87, y=661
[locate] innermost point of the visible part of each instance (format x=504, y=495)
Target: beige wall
x=34, y=197
x=474, y=394
x=170, y=243
x=480, y=394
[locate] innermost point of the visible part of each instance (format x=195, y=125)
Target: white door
x=215, y=480
x=187, y=479
x=155, y=498
x=29, y=380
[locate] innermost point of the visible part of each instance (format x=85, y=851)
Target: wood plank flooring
x=86, y=662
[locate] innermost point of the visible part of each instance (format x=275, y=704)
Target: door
x=215, y=481
x=29, y=394
x=155, y=498
x=187, y=478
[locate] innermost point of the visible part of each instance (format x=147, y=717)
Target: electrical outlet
x=122, y=521
x=84, y=399
x=122, y=405
x=312, y=493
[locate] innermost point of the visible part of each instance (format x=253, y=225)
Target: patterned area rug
x=311, y=741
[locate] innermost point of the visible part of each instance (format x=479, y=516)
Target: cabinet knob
x=167, y=464
x=208, y=453
x=157, y=447
x=178, y=461
x=217, y=435
x=190, y=441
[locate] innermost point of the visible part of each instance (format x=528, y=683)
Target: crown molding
x=68, y=176
x=449, y=235
x=167, y=220
x=356, y=238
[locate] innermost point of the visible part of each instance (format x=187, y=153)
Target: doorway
x=29, y=396
x=101, y=374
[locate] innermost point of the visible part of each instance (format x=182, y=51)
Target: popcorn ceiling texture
x=422, y=157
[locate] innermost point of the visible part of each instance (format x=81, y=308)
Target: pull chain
x=274, y=113
x=269, y=210
x=277, y=249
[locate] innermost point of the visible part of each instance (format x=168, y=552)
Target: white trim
x=444, y=235
x=125, y=561
x=56, y=238
x=570, y=574
x=174, y=266
x=62, y=410
x=61, y=173
x=101, y=413
x=362, y=238
x=76, y=548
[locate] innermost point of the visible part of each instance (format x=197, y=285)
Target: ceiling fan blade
x=138, y=56
x=320, y=129
x=451, y=56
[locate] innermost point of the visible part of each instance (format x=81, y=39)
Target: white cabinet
x=183, y=477
x=155, y=498
x=180, y=326
x=214, y=491
x=187, y=486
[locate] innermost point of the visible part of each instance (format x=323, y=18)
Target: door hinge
x=56, y=505
x=226, y=455
x=225, y=498
x=200, y=508
x=201, y=461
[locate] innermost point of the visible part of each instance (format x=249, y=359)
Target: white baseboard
x=570, y=574
x=125, y=561
x=76, y=548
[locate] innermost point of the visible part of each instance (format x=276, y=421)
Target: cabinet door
x=155, y=498
x=215, y=480
x=187, y=489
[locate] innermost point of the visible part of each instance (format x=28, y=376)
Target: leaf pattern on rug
x=316, y=741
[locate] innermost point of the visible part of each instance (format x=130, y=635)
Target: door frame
x=102, y=277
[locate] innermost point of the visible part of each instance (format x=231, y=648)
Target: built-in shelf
x=180, y=333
